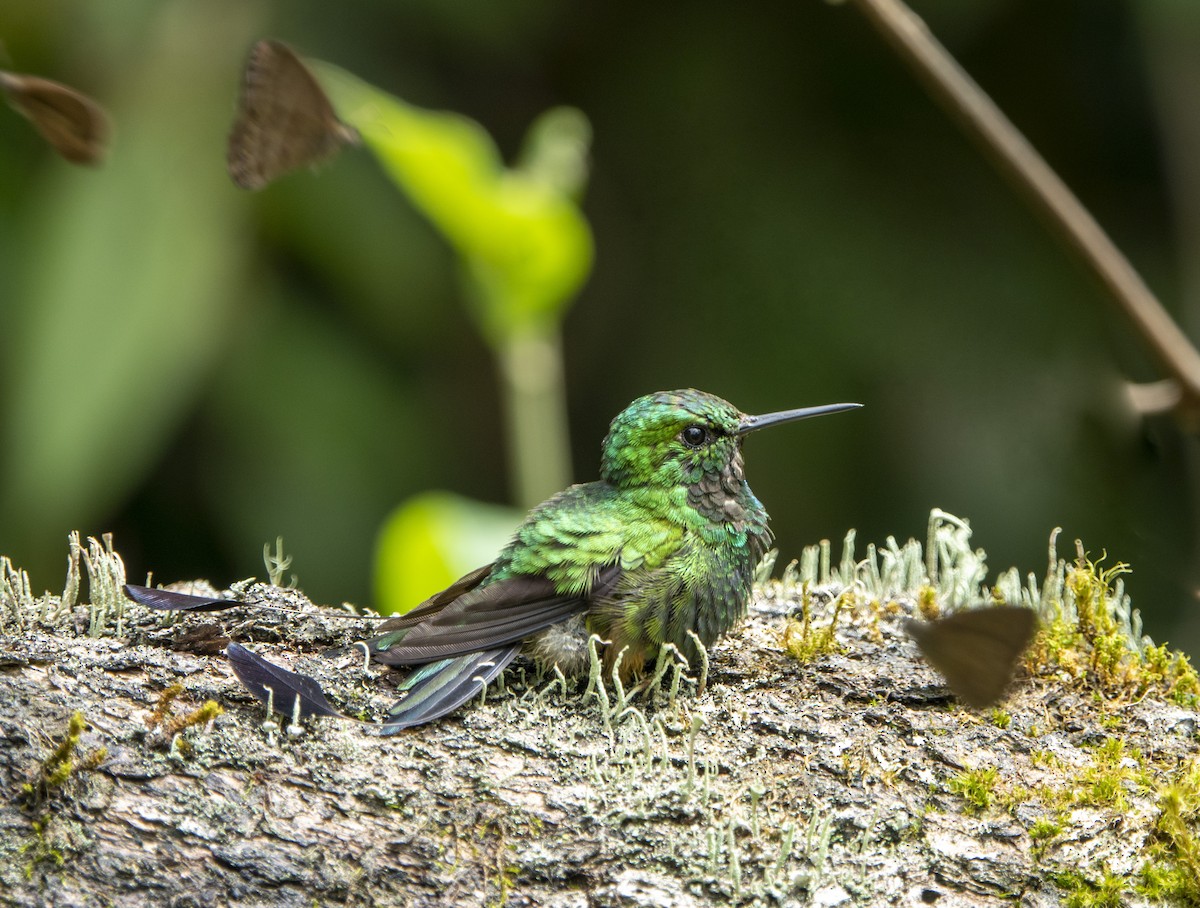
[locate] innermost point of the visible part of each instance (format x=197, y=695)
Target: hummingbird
x=665, y=542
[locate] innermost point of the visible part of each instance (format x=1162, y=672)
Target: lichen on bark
x=849, y=778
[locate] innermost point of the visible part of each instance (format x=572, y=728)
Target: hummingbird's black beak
x=754, y=423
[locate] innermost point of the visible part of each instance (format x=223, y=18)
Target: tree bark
x=826, y=783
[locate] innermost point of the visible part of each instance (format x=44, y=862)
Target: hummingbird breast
x=701, y=587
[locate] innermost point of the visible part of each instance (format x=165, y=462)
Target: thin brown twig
x=966, y=101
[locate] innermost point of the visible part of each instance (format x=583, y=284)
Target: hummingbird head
x=686, y=438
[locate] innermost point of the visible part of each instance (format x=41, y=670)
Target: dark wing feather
x=437, y=602
x=283, y=688
x=441, y=687
x=486, y=617
x=177, y=602
x=498, y=614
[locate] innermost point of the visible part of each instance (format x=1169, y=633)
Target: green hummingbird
x=665, y=542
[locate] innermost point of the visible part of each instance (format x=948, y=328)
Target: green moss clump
x=40, y=848
x=927, y=603
x=1172, y=873
x=1173, y=673
x=1103, y=783
x=1083, y=893
x=49, y=838
x=63, y=762
x=977, y=788
x=171, y=725
x=1096, y=649
x=202, y=715
x=803, y=641
x=1042, y=832
x=162, y=706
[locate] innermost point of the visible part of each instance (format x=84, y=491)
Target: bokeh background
x=781, y=216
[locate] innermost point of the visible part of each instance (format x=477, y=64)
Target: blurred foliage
x=522, y=240
x=525, y=250
x=433, y=539
x=781, y=216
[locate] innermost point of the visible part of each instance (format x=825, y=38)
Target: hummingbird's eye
x=694, y=436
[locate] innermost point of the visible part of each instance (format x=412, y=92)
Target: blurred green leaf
x=433, y=539
x=523, y=242
x=521, y=236
x=126, y=291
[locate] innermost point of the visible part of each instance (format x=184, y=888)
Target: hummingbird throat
x=721, y=495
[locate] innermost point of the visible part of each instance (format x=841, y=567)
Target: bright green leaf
x=524, y=243
x=433, y=539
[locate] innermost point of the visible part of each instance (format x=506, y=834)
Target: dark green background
x=781, y=217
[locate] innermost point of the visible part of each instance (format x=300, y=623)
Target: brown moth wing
x=74, y=125
x=976, y=650
x=284, y=119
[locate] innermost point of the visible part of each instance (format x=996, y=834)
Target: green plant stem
x=539, y=456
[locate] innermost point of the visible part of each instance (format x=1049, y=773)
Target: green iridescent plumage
x=666, y=542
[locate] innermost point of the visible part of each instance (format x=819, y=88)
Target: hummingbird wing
x=498, y=616
x=438, y=601
x=487, y=617
x=569, y=551
x=441, y=687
